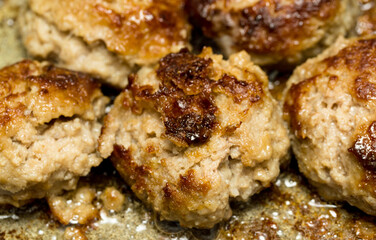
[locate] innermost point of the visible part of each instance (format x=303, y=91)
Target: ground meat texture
x=48, y=129
x=106, y=38
x=195, y=131
x=366, y=22
x=274, y=32
x=330, y=106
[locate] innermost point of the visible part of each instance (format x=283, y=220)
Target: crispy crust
x=335, y=94
x=275, y=29
x=366, y=23
x=48, y=129
x=194, y=131
x=40, y=92
x=141, y=31
x=358, y=59
x=185, y=98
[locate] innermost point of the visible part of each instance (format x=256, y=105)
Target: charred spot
x=364, y=149
x=190, y=184
x=188, y=119
x=185, y=97
x=240, y=90
x=185, y=70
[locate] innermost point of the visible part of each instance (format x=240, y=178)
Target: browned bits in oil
x=75, y=207
x=112, y=199
x=74, y=233
x=364, y=148
x=185, y=98
x=256, y=229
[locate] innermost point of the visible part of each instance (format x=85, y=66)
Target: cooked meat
x=105, y=38
x=48, y=129
x=331, y=107
x=274, y=31
x=366, y=23
x=194, y=132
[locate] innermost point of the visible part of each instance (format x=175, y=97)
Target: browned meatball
x=274, y=31
x=48, y=130
x=366, y=23
x=331, y=107
x=106, y=38
x=194, y=132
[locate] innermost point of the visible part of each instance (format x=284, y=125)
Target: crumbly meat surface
x=107, y=38
x=48, y=129
x=274, y=31
x=366, y=22
x=194, y=132
x=331, y=108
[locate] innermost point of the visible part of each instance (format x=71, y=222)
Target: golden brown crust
x=366, y=23
x=145, y=30
x=364, y=149
x=188, y=189
x=358, y=60
x=31, y=91
x=268, y=26
x=203, y=128
x=185, y=98
x=330, y=106
x=136, y=174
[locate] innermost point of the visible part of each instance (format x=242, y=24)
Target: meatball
x=274, y=32
x=105, y=38
x=366, y=22
x=48, y=130
x=330, y=105
x=194, y=132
